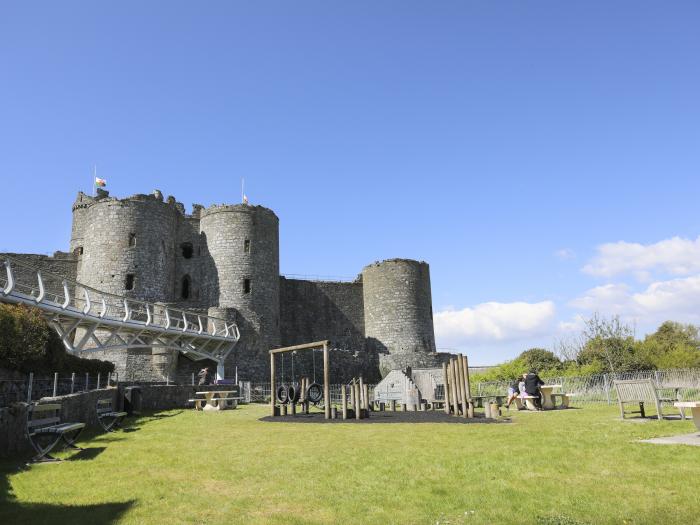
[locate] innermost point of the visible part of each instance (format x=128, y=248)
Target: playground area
x=186, y=466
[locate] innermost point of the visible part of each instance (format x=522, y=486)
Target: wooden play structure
x=279, y=404
x=288, y=397
x=458, y=400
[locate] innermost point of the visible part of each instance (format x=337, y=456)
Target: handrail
x=206, y=325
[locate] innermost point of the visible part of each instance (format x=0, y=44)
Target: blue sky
x=543, y=157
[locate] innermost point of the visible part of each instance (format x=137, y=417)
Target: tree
x=540, y=360
x=673, y=345
x=604, y=345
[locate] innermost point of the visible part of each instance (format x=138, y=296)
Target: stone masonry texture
x=224, y=260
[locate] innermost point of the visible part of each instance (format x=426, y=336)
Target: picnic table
x=211, y=402
x=694, y=407
x=546, y=392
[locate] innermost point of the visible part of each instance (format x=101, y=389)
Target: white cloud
x=493, y=322
x=565, y=254
x=675, y=299
x=676, y=256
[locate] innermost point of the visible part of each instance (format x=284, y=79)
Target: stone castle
x=224, y=260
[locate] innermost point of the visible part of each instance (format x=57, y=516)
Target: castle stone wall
x=224, y=261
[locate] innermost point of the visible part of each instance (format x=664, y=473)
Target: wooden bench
x=107, y=417
x=45, y=430
x=640, y=391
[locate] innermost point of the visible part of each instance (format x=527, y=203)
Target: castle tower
x=243, y=243
x=128, y=246
x=399, y=314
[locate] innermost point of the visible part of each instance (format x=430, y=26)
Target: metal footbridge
x=88, y=320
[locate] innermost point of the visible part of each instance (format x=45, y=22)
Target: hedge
x=29, y=344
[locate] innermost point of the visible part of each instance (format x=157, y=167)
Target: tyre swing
x=314, y=392
x=282, y=391
x=293, y=390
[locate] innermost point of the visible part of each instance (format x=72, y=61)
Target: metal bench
x=107, y=417
x=640, y=391
x=45, y=430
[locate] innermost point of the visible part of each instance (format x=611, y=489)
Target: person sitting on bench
x=532, y=387
x=513, y=392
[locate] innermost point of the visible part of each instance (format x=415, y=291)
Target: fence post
x=55, y=383
x=87, y=381
x=98, y=381
x=607, y=387
x=192, y=378
x=29, y=387
x=72, y=382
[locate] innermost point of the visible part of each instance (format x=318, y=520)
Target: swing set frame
x=326, y=375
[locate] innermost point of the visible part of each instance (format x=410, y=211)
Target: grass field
x=562, y=467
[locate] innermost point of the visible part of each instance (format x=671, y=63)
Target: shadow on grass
x=387, y=417
x=87, y=453
x=18, y=513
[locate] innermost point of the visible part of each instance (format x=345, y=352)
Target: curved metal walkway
x=88, y=320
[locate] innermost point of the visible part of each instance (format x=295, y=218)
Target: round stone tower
x=399, y=313
x=128, y=247
x=243, y=243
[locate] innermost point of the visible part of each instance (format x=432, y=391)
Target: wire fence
x=681, y=384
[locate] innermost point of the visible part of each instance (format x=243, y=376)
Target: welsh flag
x=101, y=183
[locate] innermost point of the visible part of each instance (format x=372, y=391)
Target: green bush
x=29, y=344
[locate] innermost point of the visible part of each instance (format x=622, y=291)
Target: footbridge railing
x=89, y=320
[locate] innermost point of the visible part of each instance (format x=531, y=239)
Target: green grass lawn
x=568, y=467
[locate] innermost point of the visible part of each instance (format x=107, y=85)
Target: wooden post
x=446, y=389
x=292, y=408
x=98, y=380
x=326, y=383
x=283, y=409
x=344, y=400
x=72, y=382
x=352, y=394
x=403, y=407
x=392, y=405
x=462, y=389
x=55, y=384
x=334, y=413
x=455, y=390
x=451, y=385
x=358, y=407
x=363, y=401
x=467, y=385
x=272, y=384
x=366, y=395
